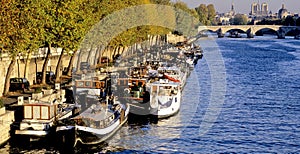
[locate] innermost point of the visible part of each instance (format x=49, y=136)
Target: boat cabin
x=98, y=117
x=164, y=88
x=168, y=70
x=40, y=111
x=138, y=72
x=132, y=86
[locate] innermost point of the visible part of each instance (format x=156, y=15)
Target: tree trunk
x=71, y=62
x=18, y=63
x=44, y=69
x=156, y=39
x=8, y=74
x=114, y=52
x=150, y=41
x=100, y=55
x=58, y=67
x=27, y=63
x=96, y=59
x=89, y=55
x=123, y=50
x=78, y=61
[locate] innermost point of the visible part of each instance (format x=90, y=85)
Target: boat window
x=101, y=124
x=96, y=85
x=52, y=111
x=80, y=83
x=36, y=112
x=164, y=92
x=45, y=112
x=154, y=89
x=28, y=112
x=97, y=124
x=93, y=124
x=87, y=84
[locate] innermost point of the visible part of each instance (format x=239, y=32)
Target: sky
x=243, y=6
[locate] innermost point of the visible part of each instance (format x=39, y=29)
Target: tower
x=264, y=9
x=232, y=12
x=255, y=8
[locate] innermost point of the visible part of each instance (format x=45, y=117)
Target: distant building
x=224, y=18
x=232, y=11
x=283, y=12
x=259, y=10
x=264, y=9
x=255, y=9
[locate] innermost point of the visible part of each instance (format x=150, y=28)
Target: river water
x=260, y=113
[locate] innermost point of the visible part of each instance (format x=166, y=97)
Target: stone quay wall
x=6, y=119
x=35, y=65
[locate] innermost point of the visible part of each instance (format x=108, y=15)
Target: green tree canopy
x=203, y=14
x=239, y=19
x=211, y=14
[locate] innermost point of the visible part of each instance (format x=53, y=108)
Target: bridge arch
x=236, y=29
x=267, y=30
x=252, y=30
x=273, y=28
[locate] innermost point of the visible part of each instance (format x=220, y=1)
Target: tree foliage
x=25, y=26
x=239, y=19
x=206, y=14
x=211, y=14
x=289, y=21
x=203, y=14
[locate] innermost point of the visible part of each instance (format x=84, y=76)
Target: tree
x=211, y=14
x=203, y=14
x=18, y=31
x=239, y=19
x=289, y=21
x=162, y=2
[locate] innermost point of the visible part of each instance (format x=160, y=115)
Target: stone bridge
x=250, y=30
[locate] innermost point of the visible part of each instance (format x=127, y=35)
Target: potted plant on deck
x=48, y=90
x=38, y=93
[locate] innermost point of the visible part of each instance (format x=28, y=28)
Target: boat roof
x=169, y=68
x=97, y=112
x=165, y=82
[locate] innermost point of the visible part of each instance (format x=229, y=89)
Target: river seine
x=260, y=113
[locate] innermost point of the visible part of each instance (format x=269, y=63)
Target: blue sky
x=243, y=6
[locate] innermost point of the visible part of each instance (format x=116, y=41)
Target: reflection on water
x=260, y=113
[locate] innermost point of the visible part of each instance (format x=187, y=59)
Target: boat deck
x=97, y=112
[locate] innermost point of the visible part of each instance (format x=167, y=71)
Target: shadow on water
x=140, y=120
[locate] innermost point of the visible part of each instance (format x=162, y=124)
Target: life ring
x=126, y=90
x=98, y=85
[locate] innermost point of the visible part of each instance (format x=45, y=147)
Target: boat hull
x=89, y=135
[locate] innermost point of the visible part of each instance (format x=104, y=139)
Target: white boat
x=173, y=73
x=40, y=118
x=167, y=95
x=98, y=123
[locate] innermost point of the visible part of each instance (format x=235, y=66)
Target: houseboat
x=40, y=118
x=167, y=94
x=96, y=124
